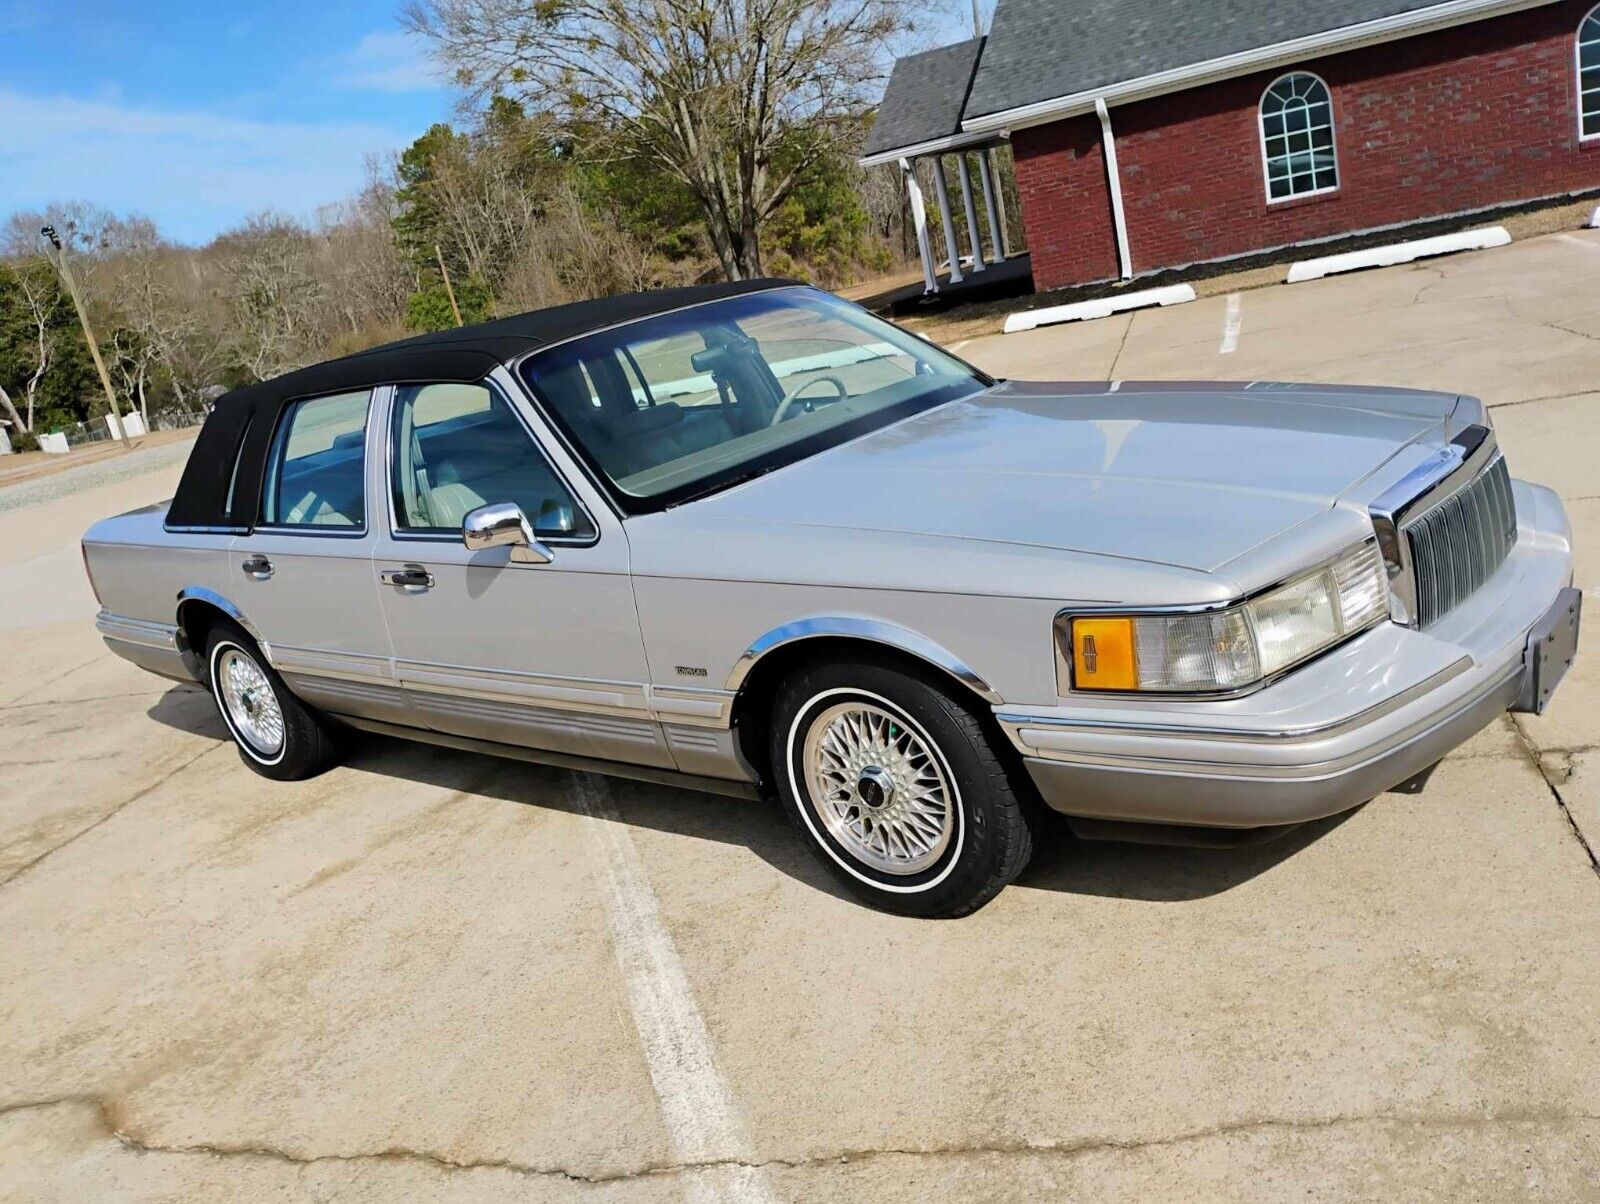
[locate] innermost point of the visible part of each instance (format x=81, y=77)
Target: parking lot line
x=696, y=1104
x=1232, y=322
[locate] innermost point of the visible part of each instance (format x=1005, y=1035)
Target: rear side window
x=316, y=474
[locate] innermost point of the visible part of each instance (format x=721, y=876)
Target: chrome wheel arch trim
x=872, y=630
x=199, y=593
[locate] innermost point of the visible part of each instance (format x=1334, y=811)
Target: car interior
x=449, y=466
x=629, y=430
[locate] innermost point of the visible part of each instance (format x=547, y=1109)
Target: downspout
x=1108, y=142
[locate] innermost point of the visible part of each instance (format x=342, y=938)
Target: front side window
x=1297, y=137
x=458, y=447
x=316, y=471
x=1589, y=75
x=688, y=402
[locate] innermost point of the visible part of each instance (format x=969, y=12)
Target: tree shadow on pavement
x=1062, y=863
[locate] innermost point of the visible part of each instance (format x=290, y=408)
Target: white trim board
x=949, y=144
x=1400, y=252
x=1103, y=307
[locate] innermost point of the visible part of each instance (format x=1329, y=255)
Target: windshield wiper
x=728, y=483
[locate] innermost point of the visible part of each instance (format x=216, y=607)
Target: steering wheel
x=793, y=394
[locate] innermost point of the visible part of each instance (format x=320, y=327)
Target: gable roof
x=1040, y=51
x=924, y=99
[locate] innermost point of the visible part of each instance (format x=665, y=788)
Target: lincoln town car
x=750, y=539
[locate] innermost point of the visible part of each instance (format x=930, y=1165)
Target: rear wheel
x=892, y=780
x=278, y=735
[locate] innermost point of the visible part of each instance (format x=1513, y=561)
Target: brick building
x=1155, y=134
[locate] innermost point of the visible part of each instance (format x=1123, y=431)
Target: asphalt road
x=431, y=976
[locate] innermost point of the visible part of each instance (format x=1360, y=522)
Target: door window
x=316, y=473
x=458, y=447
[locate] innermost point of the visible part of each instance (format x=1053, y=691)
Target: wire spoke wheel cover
x=251, y=703
x=879, y=789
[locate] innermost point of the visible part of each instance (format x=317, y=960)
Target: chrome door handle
x=412, y=577
x=258, y=567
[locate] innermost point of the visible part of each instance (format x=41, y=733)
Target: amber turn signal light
x=1103, y=656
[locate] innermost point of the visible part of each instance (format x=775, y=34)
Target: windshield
x=682, y=404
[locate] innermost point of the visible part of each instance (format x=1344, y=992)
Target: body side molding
x=874, y=630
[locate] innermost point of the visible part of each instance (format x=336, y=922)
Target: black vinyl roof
x=240, y=427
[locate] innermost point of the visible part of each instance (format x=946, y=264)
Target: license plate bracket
x=1552, y=646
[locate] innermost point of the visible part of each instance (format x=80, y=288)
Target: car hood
x=1180, y=474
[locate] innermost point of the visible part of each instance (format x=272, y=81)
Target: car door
x=303, y=575
x=544, y=655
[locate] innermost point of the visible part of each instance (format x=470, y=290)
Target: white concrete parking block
x=1400, y=252
x=1594, y=219
x=1104, y=307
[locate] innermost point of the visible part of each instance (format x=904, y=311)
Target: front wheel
x=893, y=782
x=278, y=735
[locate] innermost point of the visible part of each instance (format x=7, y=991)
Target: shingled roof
x=924, y=100
x=1041, y=50
x=1051, y=58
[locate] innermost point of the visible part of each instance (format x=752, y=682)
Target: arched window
x=1297, y=137
x=1589, y=76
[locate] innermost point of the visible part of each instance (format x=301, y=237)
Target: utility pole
x=65, y=271
x=977, y=20
x=449, y=290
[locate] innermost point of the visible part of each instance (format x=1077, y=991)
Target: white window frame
x=1592, y=16
x=1266, y=158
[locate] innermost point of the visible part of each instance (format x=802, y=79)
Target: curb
x=1400, y=252
x=1104, y=307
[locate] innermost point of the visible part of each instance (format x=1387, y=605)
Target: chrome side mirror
x=503, y=524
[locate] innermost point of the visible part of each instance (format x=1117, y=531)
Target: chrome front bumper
x=1358, y=722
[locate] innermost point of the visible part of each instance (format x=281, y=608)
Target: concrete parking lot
x=431, y=976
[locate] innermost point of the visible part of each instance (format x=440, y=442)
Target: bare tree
x=36, y=286
x=733, y=99
x=145, y=323
x=368, y=281
x=11, y=408
x=273, y=295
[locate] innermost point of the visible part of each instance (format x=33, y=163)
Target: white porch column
x=974, y=236
x=942, y=190
x=997, y=229
x=919, y=219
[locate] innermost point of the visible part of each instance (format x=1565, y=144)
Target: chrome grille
x=1457, y=545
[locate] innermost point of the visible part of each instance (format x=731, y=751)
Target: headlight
x=1221, y=651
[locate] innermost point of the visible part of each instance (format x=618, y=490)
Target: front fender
x=874, y=630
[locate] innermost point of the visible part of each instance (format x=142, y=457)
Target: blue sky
x=198, y=114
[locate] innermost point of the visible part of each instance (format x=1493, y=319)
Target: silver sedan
x=752, y=539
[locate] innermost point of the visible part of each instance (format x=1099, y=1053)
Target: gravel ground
x=89, y=476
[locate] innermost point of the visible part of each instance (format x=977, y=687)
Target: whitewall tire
x=277, y=735
x=892, y=780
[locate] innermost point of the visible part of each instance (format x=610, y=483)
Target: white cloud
x=390, y=61
x=193, y=171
